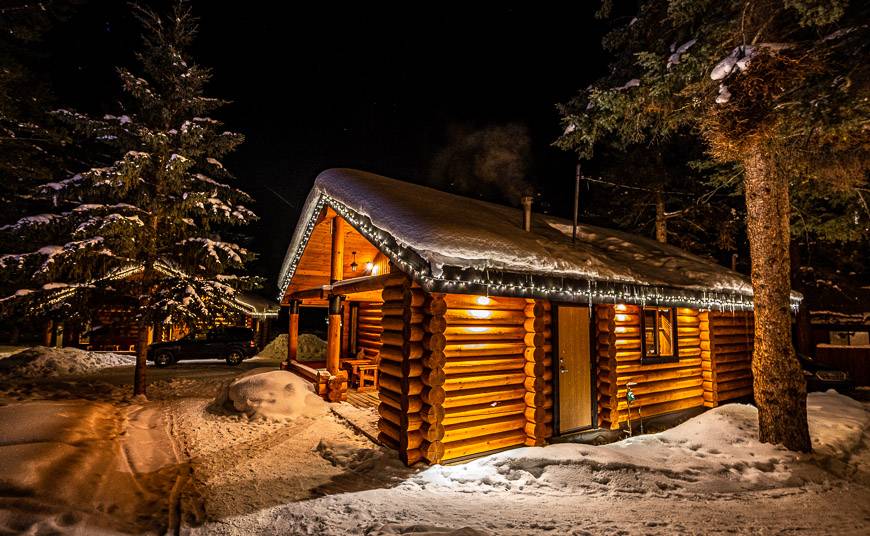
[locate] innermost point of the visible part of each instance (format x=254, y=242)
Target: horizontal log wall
x=539, y=372
x=494, y=364
x=605, y=364
x=661, y=388
x=410, y=378
x=731, y=341
x=369, y=329
x=708, y=372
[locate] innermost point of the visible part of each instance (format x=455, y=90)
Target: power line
x=609, y=183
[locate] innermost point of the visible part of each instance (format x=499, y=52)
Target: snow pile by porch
x=716, y=452
x=310, y=348
x=42, y=361
x=275, y=350
x=449, y=230
x=272, y=395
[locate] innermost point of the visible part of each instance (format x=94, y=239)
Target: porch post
x=336, y=390
x=336, y=266
x=293, y=331
x=333, y=337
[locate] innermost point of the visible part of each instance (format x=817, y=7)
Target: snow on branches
x=156, y=206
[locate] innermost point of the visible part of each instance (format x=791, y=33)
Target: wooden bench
x=363, y=373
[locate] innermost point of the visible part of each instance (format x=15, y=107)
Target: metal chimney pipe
x=527, y=212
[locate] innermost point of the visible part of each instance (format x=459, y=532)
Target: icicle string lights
x=517, y=285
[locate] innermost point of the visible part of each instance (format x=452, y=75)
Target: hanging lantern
x=353, y=264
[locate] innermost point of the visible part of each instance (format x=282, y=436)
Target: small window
x=659, y=335
x=850, y=338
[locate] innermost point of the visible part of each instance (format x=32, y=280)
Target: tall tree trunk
x=661, y=219
x=139, y=380
x=780, y=388
x=145, y=301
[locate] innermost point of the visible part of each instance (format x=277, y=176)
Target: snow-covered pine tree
x=146, y=225
x=33, y=146
x=778, y=88
x=31, y=150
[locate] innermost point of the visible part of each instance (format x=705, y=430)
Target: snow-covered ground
x=707, y=476
x=42, y=361
x=7, y=350
x=79, y=455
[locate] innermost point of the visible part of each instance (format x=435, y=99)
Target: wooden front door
x=574, y=368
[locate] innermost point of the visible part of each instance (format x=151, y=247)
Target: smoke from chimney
x=493, y=158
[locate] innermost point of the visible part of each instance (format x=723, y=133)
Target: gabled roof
x=450, y=243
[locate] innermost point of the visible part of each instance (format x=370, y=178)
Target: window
x=659, y=340
x=850, y=338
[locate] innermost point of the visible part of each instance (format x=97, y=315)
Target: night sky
x=370, y=86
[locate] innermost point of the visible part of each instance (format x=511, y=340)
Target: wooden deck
x=368, y=399
x=361, y=412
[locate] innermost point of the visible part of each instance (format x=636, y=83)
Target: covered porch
x=342, y=271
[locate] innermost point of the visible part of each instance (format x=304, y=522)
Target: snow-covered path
x=78, y=466
x=809, y=511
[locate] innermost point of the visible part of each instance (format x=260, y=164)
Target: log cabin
x=493, y=327
x=111, y=324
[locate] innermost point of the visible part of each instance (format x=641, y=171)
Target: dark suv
x=234, y=344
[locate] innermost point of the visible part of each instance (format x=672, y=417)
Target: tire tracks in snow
x=159, y=465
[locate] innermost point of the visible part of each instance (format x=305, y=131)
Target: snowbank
x=41, y=361
x=271, y=394
x=716, y=452
x=275, y=350
x=311, y=348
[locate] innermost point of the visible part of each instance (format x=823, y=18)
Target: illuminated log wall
x=410, y=382
x=539, y=372
x=661, y=388
x=726, y=353
x=462, y=375
x=496, y=374
x=369, y=328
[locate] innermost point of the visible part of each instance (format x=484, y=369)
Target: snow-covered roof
x=450, y=243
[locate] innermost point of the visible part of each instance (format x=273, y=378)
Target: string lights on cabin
x=594, y=292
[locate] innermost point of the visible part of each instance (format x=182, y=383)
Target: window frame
x=657, y=359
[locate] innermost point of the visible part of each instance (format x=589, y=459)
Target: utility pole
x=576, y=201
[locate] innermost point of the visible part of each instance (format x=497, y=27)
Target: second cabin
x=476, y=327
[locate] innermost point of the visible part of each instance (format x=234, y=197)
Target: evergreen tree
x=777, y=88
x=155, y=211
x=670, y=196
x=32, y=148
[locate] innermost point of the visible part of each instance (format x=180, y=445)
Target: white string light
x=596, y=291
